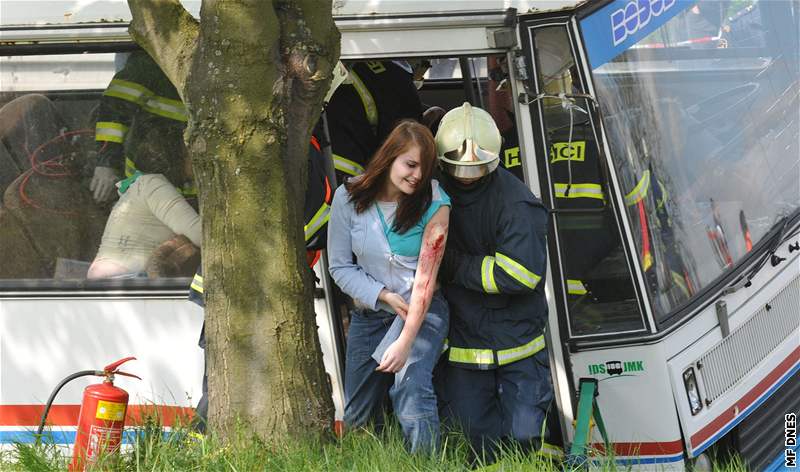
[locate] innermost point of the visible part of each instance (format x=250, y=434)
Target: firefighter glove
x=102, y=184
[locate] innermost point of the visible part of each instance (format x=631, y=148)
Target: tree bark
x=252, y=74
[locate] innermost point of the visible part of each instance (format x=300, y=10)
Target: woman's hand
x=395, y=357
x=395, y=301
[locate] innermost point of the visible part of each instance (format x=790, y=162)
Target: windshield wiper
x=775, y=237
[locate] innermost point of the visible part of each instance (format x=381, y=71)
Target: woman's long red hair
x=364, y=189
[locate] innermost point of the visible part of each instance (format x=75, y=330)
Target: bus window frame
x=528, y=23
x=172, y=287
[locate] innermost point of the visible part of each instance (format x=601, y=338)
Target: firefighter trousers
x=410, y=390
x=507, y=404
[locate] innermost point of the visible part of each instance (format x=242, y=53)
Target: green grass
x=361, y=450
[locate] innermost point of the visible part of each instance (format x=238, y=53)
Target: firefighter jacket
x=315, y=214
x=318, y=199
x=575, y=170
x=510, y=157
x=576, y=173
x=496, y=295
x=139, y=95
x=361, y=114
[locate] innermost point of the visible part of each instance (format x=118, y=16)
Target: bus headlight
x=692, y=391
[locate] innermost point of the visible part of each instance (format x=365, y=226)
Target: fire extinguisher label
x=110, y=411
x=101, y=439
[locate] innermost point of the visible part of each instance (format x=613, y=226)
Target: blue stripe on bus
x=768, y=393
x=66, y=438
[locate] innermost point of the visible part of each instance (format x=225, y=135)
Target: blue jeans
x=410, y=390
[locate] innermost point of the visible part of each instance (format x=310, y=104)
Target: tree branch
x=169, y=34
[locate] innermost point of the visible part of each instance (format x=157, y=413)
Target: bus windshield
x=700, y=109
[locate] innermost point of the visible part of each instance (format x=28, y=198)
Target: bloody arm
x=430, y=256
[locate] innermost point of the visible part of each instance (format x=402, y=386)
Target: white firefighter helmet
x=340, y=75
x=468, y=142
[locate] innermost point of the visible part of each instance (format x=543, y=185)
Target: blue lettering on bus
x=635, y=16
x=611, y=30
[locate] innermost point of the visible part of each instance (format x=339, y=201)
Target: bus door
x=595, y=282
x=592, y=268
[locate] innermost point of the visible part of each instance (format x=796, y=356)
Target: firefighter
x=495, y=384
x=587, y=233
x=138, y=95
x=376, y=96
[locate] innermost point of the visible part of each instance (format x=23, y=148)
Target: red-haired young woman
x=394, y=219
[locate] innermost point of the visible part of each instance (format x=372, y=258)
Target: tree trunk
x=252, y=74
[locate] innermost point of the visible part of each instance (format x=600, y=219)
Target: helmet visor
x=469, y=161
x=469, y=153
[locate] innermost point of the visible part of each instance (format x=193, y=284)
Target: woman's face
x=405, y=173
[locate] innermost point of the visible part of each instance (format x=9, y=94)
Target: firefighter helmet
x=468, y=142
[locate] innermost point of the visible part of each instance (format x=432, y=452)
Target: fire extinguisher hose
x=68, y=379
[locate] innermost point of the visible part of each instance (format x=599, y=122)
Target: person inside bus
x=49, y=223
x=375, y=97
x=140, y=93
x=149, y=212
x=394, y=219
x=432, y=117
x=501, y=107
x=27, y=124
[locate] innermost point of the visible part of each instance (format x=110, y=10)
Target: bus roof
x=73, y=12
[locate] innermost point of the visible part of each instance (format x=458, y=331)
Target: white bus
x=662, y=135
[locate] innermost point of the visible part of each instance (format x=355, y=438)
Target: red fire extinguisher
x=101, y=419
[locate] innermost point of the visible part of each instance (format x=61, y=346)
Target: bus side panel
x=636, y=404
x=43, y=341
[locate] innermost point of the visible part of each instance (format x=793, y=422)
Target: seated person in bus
x=432, y=117
x=27, y=124
x=47, y=215
x=149, y=212
x=501, y=107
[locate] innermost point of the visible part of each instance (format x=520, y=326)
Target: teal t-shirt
x=409, y=243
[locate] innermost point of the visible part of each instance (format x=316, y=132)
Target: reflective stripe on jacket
x=140, y=89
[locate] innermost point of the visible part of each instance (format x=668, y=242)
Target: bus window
x=702, y=121
x=53, y=127
x=596, y=279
